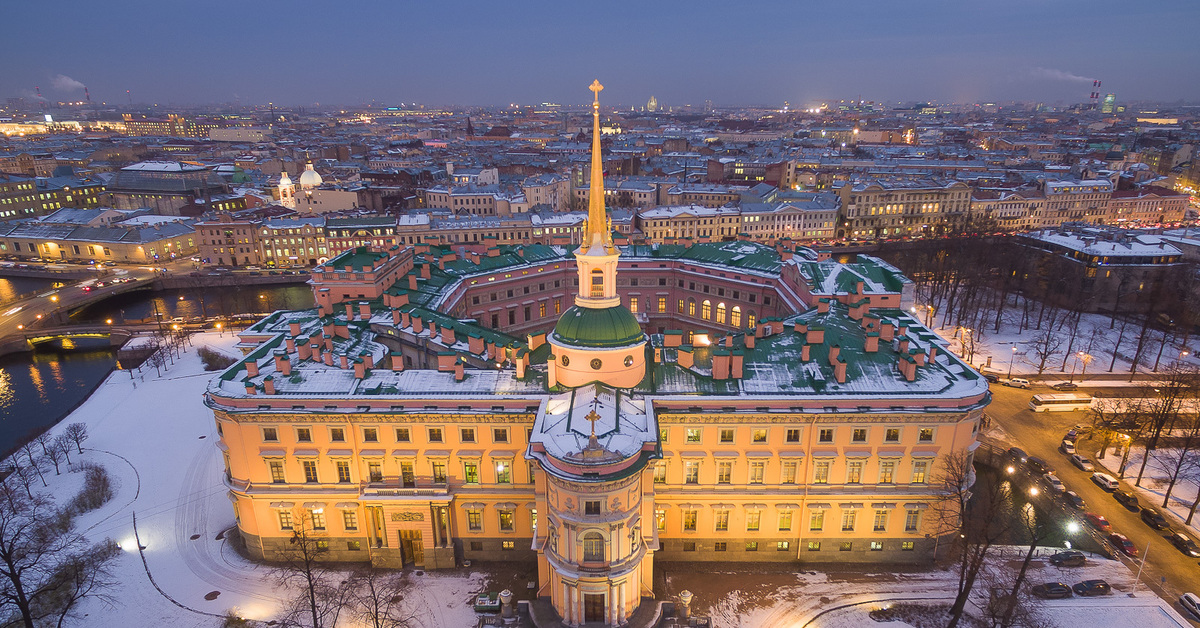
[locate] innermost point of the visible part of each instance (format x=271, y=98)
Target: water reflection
x=13, y=287
x=38, y=389
x=197, y=302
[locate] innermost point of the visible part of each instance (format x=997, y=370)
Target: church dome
x=602, y=328
x=284, y=179
x=309, y=178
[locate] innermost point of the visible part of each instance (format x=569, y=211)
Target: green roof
x=588, y=327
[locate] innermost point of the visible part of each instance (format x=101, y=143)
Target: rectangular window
x=403, y=435
x=906, y=546
x=693, y=434
x=337, y=435
x=343, y=470
x=814, y=546
x=350, y=520
x=370, y=435
x=435, y=434
x=276, y=471
x=439, y=473
x=724, y=472
x=354, y=546
x=285, y=520
x=849, y=516
x=689, y=546
x=793, y=436
x=751, y=546
x=783, y=546
x=887, y=471
x=503, y=472
x=406, y=475
x=816, y=522
x=591, y=508
x=662, y=305
x=474, y=519
x=859, y=435
x=756, y=472
x=310, y=471
x=506, y=520
x=788, y=476
x=785, y=520
x=660, y=520
x=660, y=473
x=919, y=468
x=507, y=545
x=760, y=436
x=471, y=472
x=303, y=435
x=467, y=435
x=691, y=472
x=317, y=515
x=925, y=435
x=825, y=435
x=721, y=521
x=726, y=436
x=876, y=546
x=881, y=517
x=270, y=435
x=375, y=471
x=500, y=435
x=912, y=520
x=662, y=435
x=720, y=546
x=854, y=472
x=821, y=472
x=846, y=546
x=892, y=435
x=689, y=520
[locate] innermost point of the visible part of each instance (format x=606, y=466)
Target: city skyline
x=475, y=54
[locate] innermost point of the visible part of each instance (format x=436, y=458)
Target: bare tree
x=55, y=456
x=1166, y=401
x=1037, y=528
x=322, y=592
x=78, y=433
x=378, y=599
x=63, y=443
x=85, y=574
x=30, y=449
x=1180, y=461
x=1045, y=346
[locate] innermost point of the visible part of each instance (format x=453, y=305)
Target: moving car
x=1082, y=463
x=1016, y=382
x=1122, y=542
x=1018, y=454
x=1089, y=588
x=1039, y=466
x=1051, y=590
x=1054, y=483
x=1105, y=481
x=1184, y=543
x=1154, y=519
x=1067, y=447
x=1065, y=386
x=1069, y=558
x=1073, y=499
x=1191, y=603
x=1097, y=521
x=1127, y=499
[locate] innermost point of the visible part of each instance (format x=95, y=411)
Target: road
x=1167, y=571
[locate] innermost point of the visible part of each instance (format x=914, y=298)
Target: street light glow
x=1011, y=469
x=1072, y=527
x=1033, y=491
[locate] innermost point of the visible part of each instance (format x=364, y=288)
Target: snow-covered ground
x=155, y=437
x=1154, y=483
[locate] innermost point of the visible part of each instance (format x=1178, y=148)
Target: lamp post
x=928, y=315
x=1010, y=362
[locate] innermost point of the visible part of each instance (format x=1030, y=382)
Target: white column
x=576, y=606
x=612, y=605
x=621, y=592
x=566, y=603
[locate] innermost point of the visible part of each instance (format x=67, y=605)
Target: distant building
x=889, y=208
x=100, y=234
x=165, y=186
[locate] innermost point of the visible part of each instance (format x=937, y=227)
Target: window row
x=784, y=546
x=793, y=434
x=756, y=472
x=500, y=472
x=753, y=520
x=470, y=435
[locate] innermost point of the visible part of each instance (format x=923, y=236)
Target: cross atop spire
x=596, y=87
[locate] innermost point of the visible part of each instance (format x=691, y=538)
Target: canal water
x=13, y=287
x=39, y=389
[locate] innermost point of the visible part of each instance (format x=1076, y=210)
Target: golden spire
x=598, y=232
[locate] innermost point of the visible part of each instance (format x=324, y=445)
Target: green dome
x=608, y=327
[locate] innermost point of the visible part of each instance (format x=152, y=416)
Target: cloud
x=1059, y=75
x=65, y=83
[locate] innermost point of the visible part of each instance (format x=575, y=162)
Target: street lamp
x=1033, y=491
x=1010, y=362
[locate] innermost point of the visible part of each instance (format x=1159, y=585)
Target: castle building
x=399, y=426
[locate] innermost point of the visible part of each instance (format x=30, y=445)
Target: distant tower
x=652, y=104
x=309, y=181
x=1094, y=100
x=470, y=129
x=287, y=191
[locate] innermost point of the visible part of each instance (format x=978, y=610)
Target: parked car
x=1081, y=428
x=1067, y=447
x=1184, y=543
x=1122, y=542
x=1105, y=481
x=1192, y=603
x=1082, y=463
x=1097, y=521
x=1016, y=382
x=1072, y=436
x=1073, y=499
x=1054, y=483
x=1018, y=454
x=1089, y=588
x=992, y=378
x=1039, y=466
x=1127, y=499
x=1065, y=386
x=1154, y=519
x=1052, y=590
x=1069, y=558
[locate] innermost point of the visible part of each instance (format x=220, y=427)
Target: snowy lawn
x=156, y=439
x=1154, y=484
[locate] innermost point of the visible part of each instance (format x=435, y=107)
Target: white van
x=1106, y=481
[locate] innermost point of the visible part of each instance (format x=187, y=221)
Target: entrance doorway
x=412, y=550
x=593, y=607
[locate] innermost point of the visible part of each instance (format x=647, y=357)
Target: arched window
x=593, y=547
x=735, y=316
x=597, y=284
x=750, y=319
x=706, y=309
x=720, y=313
x=691, y=307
